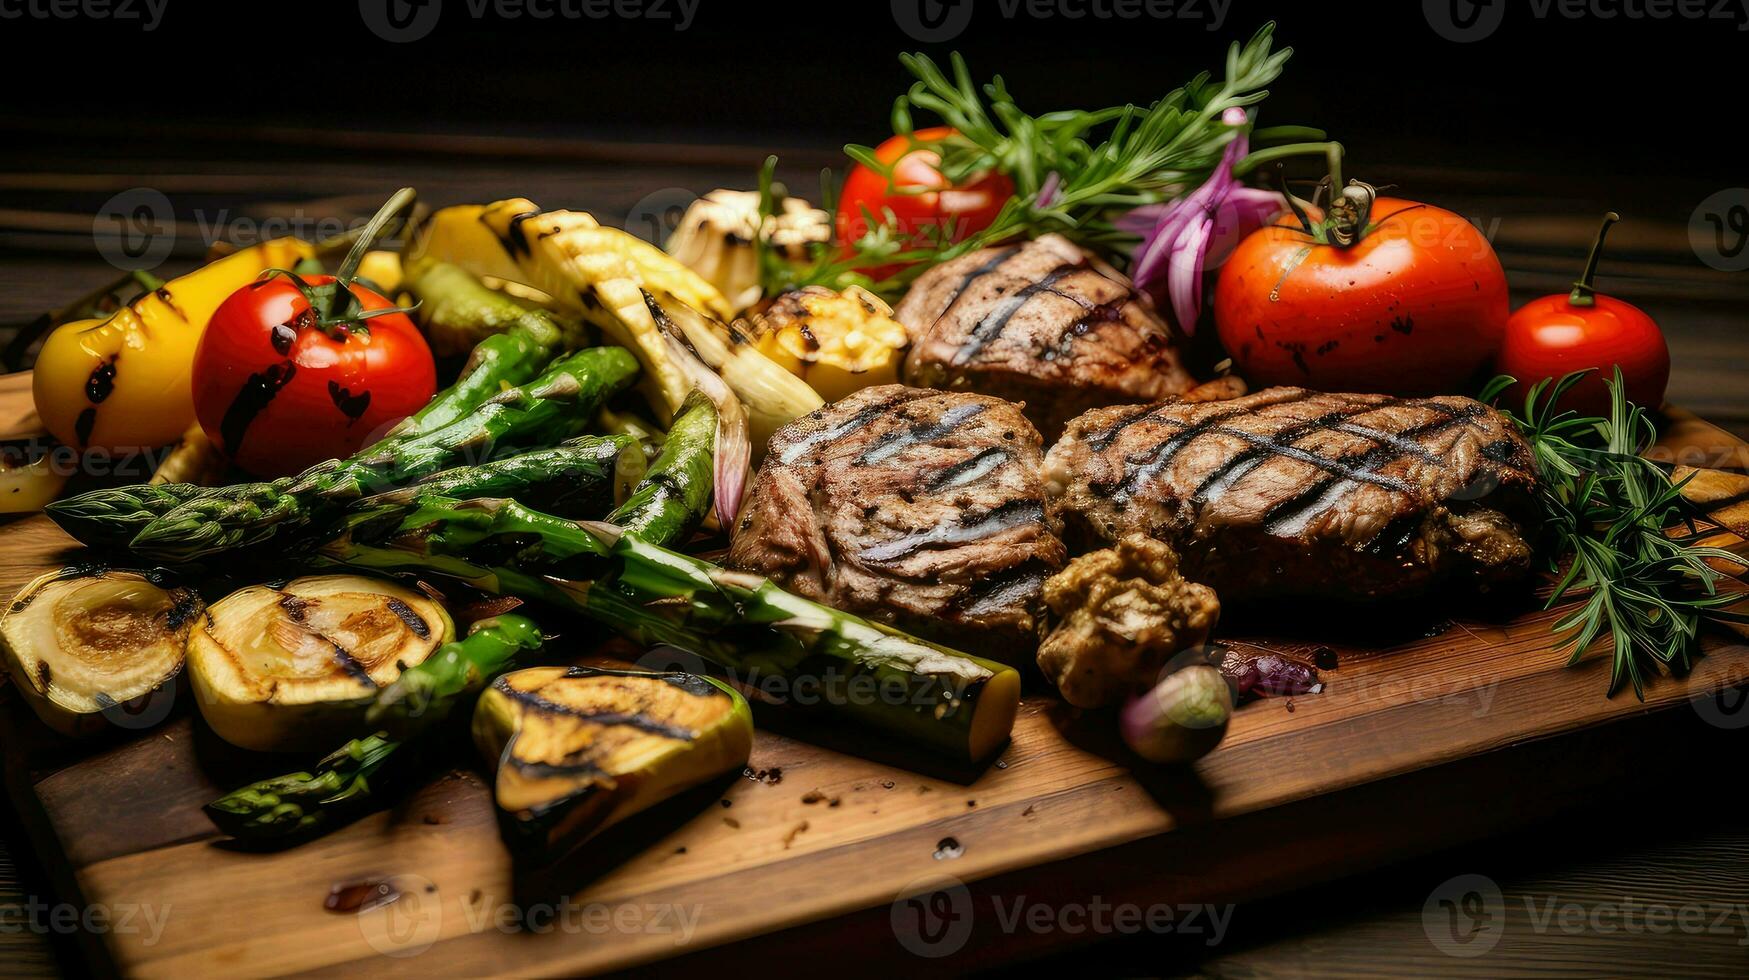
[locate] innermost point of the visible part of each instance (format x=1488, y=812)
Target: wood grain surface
x=757, y=857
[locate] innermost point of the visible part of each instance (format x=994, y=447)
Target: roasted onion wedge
x=91, y=648
x=580, y=748
x=294, y=667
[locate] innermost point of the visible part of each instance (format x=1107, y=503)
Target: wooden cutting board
x=813, y=853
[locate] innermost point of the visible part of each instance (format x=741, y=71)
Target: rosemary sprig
x=1073, y=170
x=1625, y=531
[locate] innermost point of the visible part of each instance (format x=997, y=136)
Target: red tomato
x=1556, y=335
x=1416, y=306
x=919, y=196
x=1550, y=338
x=278, y=391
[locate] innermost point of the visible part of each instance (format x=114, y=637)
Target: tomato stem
x=1584, y=293
x=398, y=202
x=1258, y=158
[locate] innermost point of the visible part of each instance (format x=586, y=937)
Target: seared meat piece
x=1292, y=492
x=1120, y=614
x=921, y=509
x=1040, y=323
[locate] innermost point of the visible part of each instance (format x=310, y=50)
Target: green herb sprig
x=1625, y=532
x=1096, y=164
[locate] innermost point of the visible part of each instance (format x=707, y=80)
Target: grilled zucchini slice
x=294, y=667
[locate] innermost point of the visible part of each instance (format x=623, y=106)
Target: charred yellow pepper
x=122, y=384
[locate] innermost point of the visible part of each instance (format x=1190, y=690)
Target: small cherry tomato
x=1380, y=295
x=1556, y=335
x=920, y=198
x=293, y=370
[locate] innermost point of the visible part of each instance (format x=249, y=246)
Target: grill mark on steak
x=1405, y=498
x=923, y=510
x=968, y=471
x=1236, y=468
x=1143, y=466
x=1290, y=516
x=991, y=326
x=794, y=450
x=965, y=283
x=894, y=443
x=1001, y=591
x=993, y=522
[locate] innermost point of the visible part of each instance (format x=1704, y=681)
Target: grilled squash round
x=293, y=667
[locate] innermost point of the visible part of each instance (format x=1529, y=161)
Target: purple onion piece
x=1182, y=238
x=1182, y=719
x=1264, y=674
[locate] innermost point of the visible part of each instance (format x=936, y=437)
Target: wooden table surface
x=1659, y=838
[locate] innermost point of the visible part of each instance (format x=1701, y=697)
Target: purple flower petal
x=1182, y=238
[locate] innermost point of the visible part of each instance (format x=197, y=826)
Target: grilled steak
x=1292, y=492
x=1040, y=323
x=921, y=509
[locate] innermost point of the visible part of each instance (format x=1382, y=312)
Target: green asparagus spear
x=787, y=647
x=424, y=694
x=550, y=408
x=668, y=505
x=302, y=803
x=110, y=518
x=581, y=477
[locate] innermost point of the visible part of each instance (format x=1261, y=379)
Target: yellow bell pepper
x=122, y=384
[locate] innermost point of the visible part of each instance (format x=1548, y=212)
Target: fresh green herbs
x=1625, y=532
x=1073, y=171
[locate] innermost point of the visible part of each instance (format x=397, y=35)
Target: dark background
x=1631, y=99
